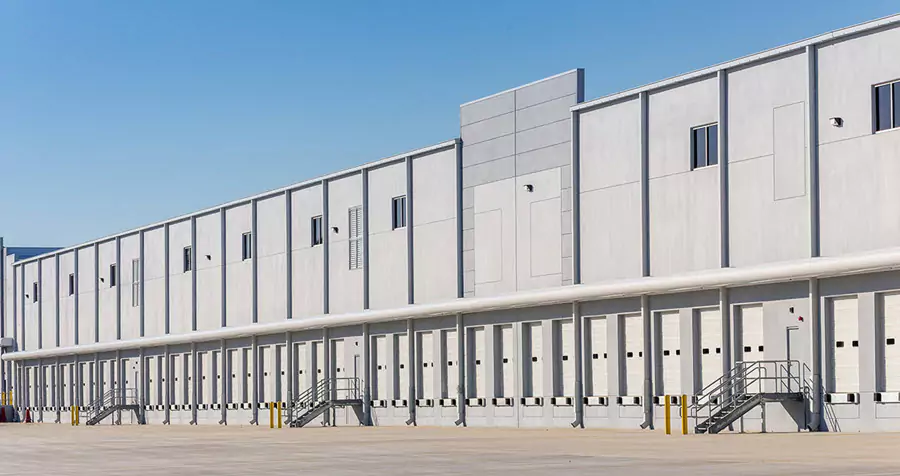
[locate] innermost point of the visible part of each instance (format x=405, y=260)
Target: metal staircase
x=323, y=396
x=745, y=386
x=114, y=401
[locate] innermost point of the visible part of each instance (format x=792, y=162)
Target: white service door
x=318, y=362
x=204, y=389
x=340, y=365
x=845, y=344
x=477, y=364
x=233, y=373
x=215, y=377
x=426, y=365
x=710, y=346
x=451, y=364
x=670, y=324
x=890, y=308
x=507, y=361
x=49, y=399
x=534, y=359
x=302, y=368
x=599, y=380
x=178, y=379
x=380, y=380
x=632, y=354
x=247, y=376
x=401, y=346
x=565, y=364
x=189, y=375
x=281, y=375
x=751, y=348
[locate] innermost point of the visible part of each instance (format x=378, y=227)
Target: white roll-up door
x=281, y=375
x=670, y=324
x=451, y=364
x=845, y=344
x=534, y=359
x=710, y=346
x=232, y=372
x=598, y=355
x=189, y=376
x=890, y=311
x=267, y=369
x=564, y=350
x=247, y=375
x=632, y=354
x=178, y=380
x=401, y=351
x=204, y=387
x=425, y=353
x=477, y=374
x=215, y=377
x=49, y=400
x=751, y=348
x=65, y=399
x=380, y=379
x=507, y=362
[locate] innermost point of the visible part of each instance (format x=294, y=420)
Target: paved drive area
x=60, y=450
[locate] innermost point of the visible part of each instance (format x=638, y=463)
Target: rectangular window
x=246, y=246
x=112, y=275
x=188, y=259
x=71, y=284
x=398, y=212
x=315, y=227
x=34, y=292
x=887, y=112
x=704, y=146
x=354, y=216
x=135, y=282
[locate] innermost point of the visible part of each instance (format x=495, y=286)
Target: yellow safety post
x=77, y=415
x=271, y=416
x=668, y=416
x=279, y=414
x=684, y=415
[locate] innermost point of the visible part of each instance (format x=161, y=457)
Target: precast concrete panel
x=425, y=365
x=495, y=238
x=844, y=353
x=129, y=277
x=847, y=72
x=238, y=271
x=271, y=259
x=180, y=279
x=564, y=358
x=632, y=354
x=890, y=347
x=477, y=363
x=308, y=259
x=538, y=230
x=48, y=399
x=450, y=360
x=597, y=352
x=30, y=328
x=108, y=288
x=388, y=271
x=154, y=282
x=209, y=272
x=67, y=300
x=345, y=284
x=381, y=381
x=534, y=359
x=401, y=359
x=750, y=322
x=434, y=227
x=710, y=346
x=48, y=303
x=670, y=353
x=87, y=282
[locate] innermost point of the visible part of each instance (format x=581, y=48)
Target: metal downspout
x=579, y=383
x=648, y=365
x=815, y=423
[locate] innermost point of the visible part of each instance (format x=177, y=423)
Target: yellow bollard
x=271, y=416
x=684, y=415
x=668, y=415
x=77, y=415
x=279, y=414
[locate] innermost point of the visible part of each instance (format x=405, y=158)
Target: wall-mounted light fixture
x=209, y=257
x=528, y=187
x=102, y=280
x=334, y=229
x=836, y=122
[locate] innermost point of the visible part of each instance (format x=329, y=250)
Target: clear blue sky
x=116, y=114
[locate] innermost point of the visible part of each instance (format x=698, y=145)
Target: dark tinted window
x=896, y=109
x=883, y=107
x=699, y=140
x=712, y=139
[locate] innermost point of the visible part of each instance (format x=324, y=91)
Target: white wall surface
x=48, y=303
x=272, y=258
x=180, y=319
x=238, y=272
x=209, y=271
x=308, y=265
x=87, y=281
x=108, y=315
x=345, y=285
x=154, y=283
x=495, y=237
x=131, y=314
x=388, y=271
x=434, y=227
x=67, y=328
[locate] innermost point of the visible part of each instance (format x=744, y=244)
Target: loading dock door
x=215, y=376
x=890, y=310
x=426, y=365
x=670, y=325
x=845, y=344
x=534, y=352
x=267, y=370
x=565, y=358
x=451, y=364
x=380, y=363
x=49, y=399
x=632, y=354
x=598, y=356
x=281, y=373
x=301, y=367
x=178, y=380
x=710, y=346
x=507, y=362
x=751, y=348
x=401, y=344
x=204, y=389
x=340, y=365
x=477, y=364
x=319, y=362
x=233, y=369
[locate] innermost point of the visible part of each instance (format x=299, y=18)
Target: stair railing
x=325, y=390
x=112, y=398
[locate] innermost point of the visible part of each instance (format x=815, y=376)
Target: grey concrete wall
x=510, y=140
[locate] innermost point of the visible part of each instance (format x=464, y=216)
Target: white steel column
x=367, y=373
x=461, y=369
x=411, y=375
x=225, y=387
x=648, y=363
x=578, y=324
x=816, y=318
x=254, y=381
x=194, y=380
x=167, y=370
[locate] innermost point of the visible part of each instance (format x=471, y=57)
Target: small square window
x=71, y=284
x=34, y=292
x=884, y=103
x=315, y=227
x=246, y=246
x=135, y=282
x=112, y=276
x=187, y=259
x=704, y=146
x=398, y=212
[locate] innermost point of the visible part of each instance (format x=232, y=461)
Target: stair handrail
x=325, y=390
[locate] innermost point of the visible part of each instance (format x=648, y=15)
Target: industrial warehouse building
x=729, y=238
